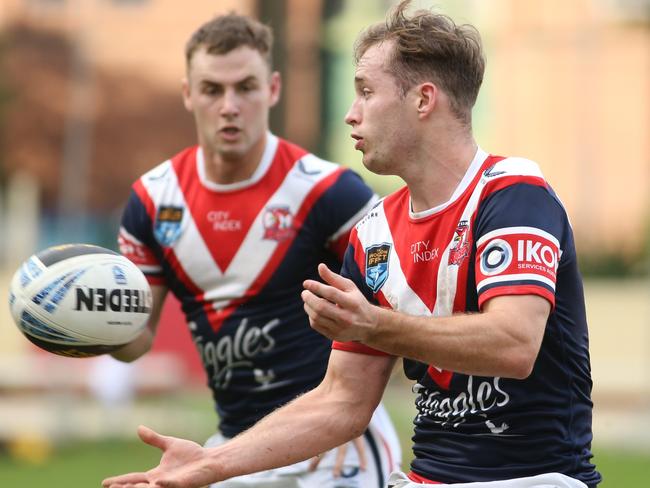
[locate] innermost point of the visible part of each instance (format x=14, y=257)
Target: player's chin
x=233, y=150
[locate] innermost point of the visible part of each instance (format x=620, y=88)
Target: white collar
x=260, y=171
x=474, y=167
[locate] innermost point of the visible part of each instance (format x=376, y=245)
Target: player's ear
x=426, y=98
x=185, y=90
x=275, y=87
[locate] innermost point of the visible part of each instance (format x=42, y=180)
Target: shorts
x=546, y=480
x=383, y=455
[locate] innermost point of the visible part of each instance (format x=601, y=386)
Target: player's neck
x=438, y=170
x=225, y=169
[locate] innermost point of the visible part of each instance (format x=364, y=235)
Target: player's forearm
x=308, y=426
x=492, y=343
x=142, y=344
x=136, y=348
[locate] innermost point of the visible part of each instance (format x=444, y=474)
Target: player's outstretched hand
x=337, y=309
x=184, y=464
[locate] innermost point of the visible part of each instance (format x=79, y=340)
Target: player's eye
x=247, y=87
x=211, y=89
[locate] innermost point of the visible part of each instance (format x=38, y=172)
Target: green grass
x=78, y=465
x=84, y=465
x=622, y=469
x=33, y=463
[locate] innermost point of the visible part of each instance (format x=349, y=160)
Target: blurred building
x=91, y=89
x=569, y=86
x=90, y=94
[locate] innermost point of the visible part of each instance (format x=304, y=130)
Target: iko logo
x=496, y=257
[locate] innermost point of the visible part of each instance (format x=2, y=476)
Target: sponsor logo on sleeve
x=377, y=265
x=522, y=255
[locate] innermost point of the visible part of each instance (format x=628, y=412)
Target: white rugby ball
x=79, y=300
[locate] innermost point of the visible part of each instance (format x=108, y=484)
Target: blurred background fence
x=90, y=99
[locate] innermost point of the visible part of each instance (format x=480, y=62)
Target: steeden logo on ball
x=79, y=300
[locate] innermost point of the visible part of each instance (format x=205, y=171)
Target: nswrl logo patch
x=377, y=265
x=168, y=225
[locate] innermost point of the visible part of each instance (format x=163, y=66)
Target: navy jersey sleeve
x=340, y=207
x=350, y=270
x=136, y=240
x=520, y=235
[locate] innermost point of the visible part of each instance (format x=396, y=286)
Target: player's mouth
x=359, y=144
x=230, y=133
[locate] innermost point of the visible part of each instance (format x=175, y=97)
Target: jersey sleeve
x=341, y=207
x=351, y=270
x=136, y=240
x=519, y=233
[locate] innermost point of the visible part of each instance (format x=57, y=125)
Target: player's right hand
x=184, y=464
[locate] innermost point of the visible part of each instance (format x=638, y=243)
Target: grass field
x=84, y=464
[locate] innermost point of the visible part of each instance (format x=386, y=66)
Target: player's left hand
x=341, y=451
x=184, y=464
x=337, y=309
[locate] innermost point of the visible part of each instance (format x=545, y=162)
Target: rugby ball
x=79, y=300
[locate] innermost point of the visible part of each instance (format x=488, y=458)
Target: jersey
x=503, y=232
x=236, y=257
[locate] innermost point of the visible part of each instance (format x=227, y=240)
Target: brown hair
x=224, y=33
x=430, y=46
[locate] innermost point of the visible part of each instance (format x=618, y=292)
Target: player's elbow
x=134, y=350
x=520, y=362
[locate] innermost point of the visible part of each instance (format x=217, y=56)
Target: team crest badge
x=377, y=266
x=460, y=249
x=168, y=225
x=278, y=223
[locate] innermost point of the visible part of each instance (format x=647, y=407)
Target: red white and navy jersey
x=236, y=257
x=503, y=232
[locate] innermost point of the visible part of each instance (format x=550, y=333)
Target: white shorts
x=546, y=480
x=383, y=454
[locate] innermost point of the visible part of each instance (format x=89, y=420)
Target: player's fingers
x=327, y=301
x=124, y=480
x=335, y=279
x=153, y=438
x=319, y=308
x=321, y=322
x=322, y=290
x=361, y=450
x=314, y=462
x=340, y=460
x=178, y=482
